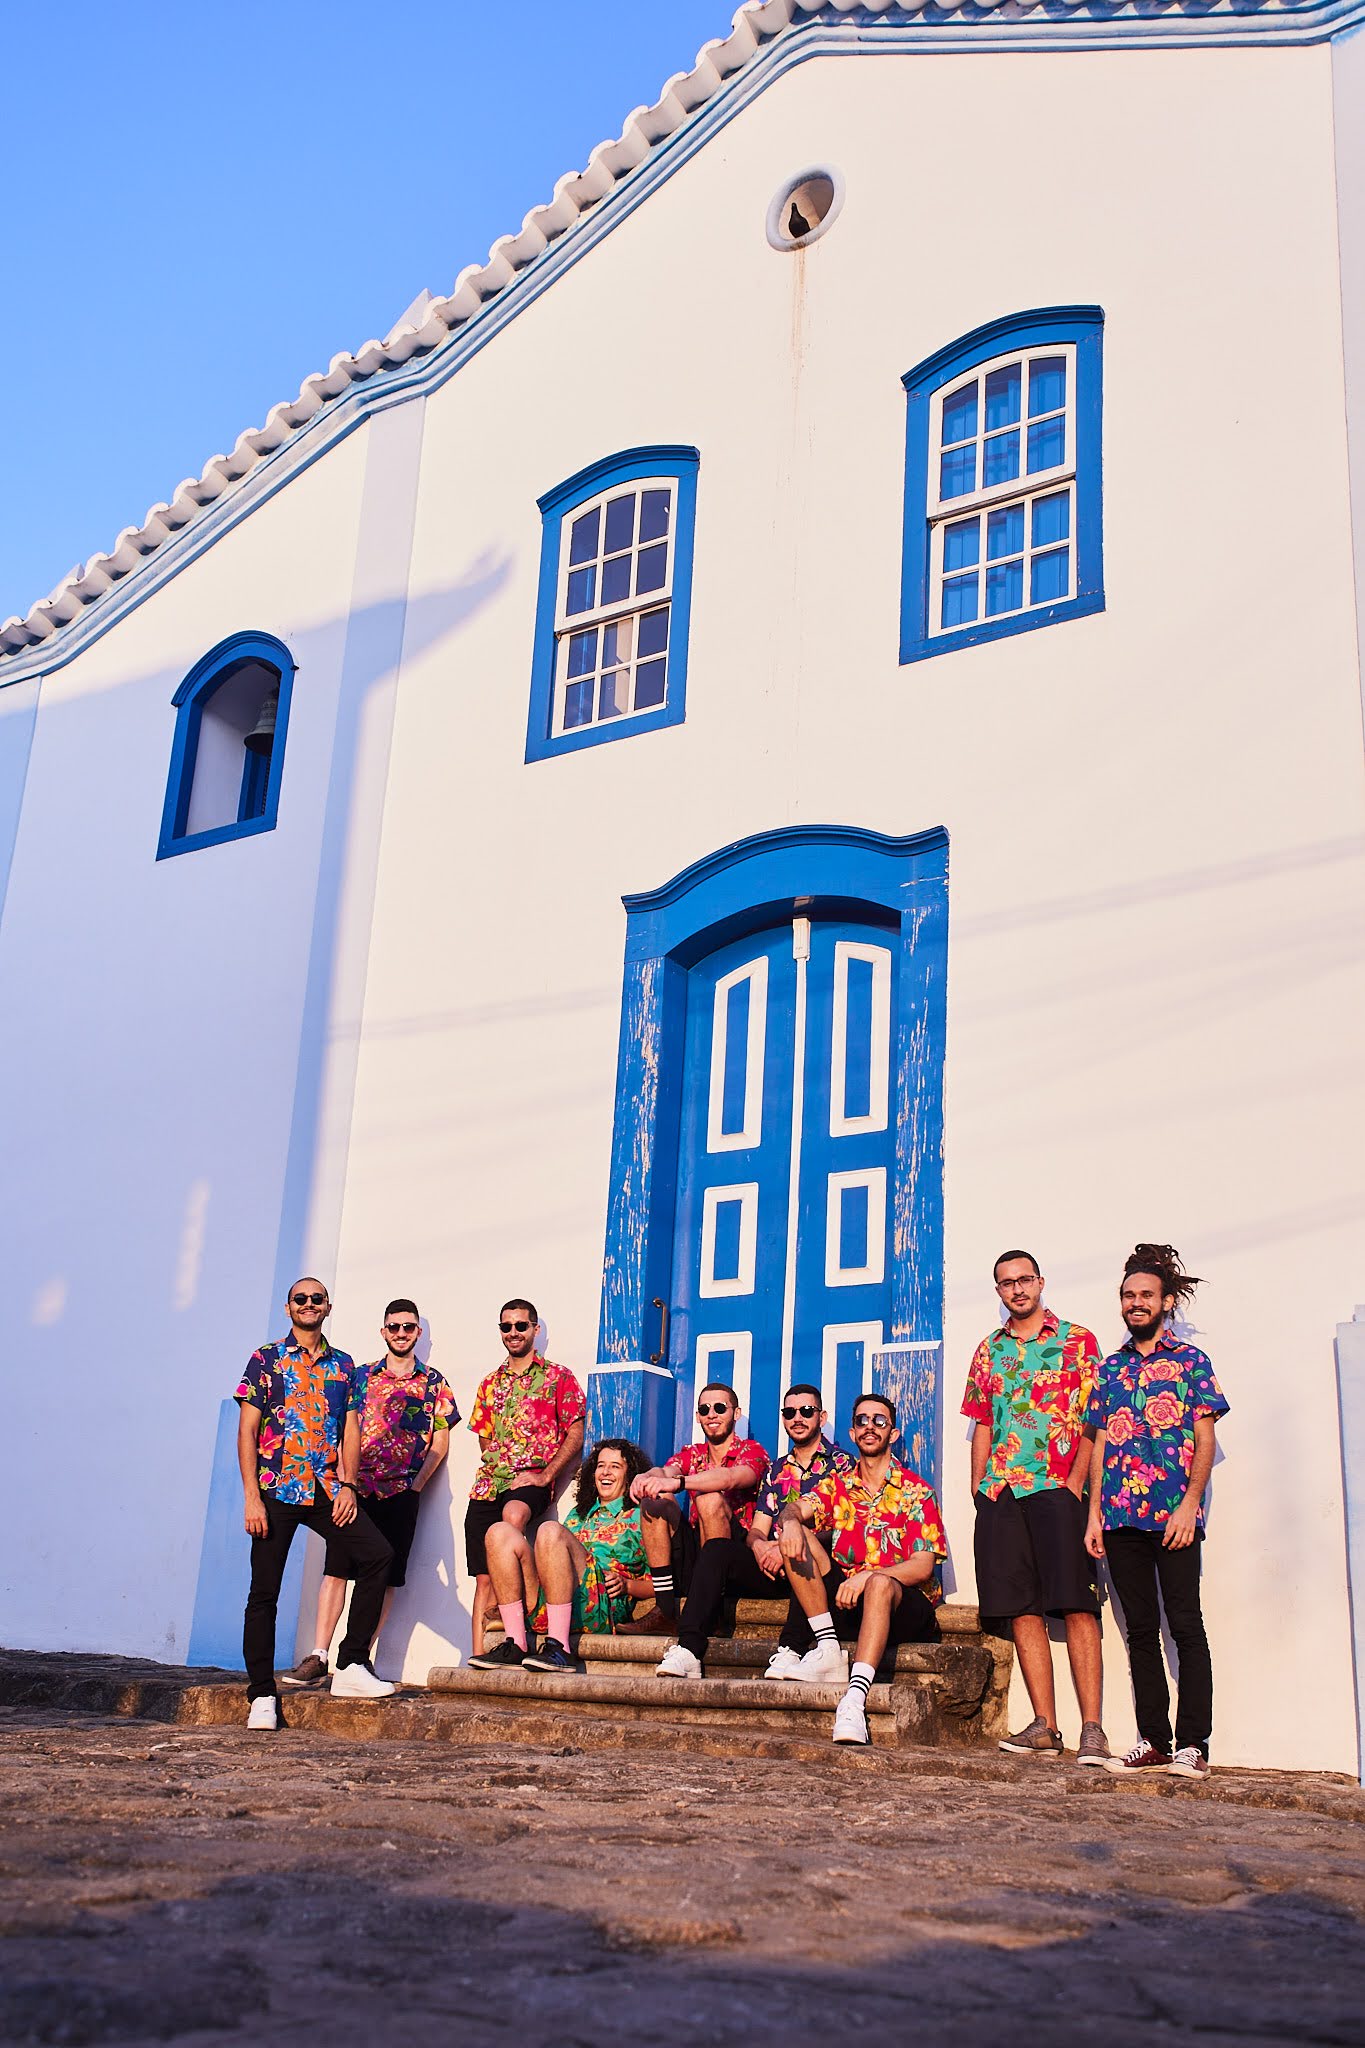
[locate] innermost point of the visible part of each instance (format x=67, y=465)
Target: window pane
x=959, y=601
x=1051, y=519
x=1046, y=385
x=616, y=643
x=959, y=414
x=957, y=473
x=651, y=571
x=582, y=591
x=578, y=704
x=655, y=507
x=962, y=545
x=611, y=697
x=582, y=653
x=583, y=536
x=1002, y=460
x=1004, y=588
x=1047, y=444
x=1051, y=576
x=616, y=579
x=654, y=631
x=649, y=684
x=1005, y=532
x=1002, y=396
x=620, y=524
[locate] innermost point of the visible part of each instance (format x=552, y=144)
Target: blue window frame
x=1003, y=463
x=227, y=751
x=614, y=600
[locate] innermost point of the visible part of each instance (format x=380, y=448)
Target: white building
x=940, y=629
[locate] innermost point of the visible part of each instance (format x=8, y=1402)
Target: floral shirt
x=1032, y=1392
x=1147, y=1409
x=521, y=1417
x=304, y=1403
x=790, y=1481
x=874, y=1530
x=610, y=1533
x=741, y=1450
x=397, y=1424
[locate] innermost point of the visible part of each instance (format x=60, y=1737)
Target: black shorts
x=396, y=1520
x=480, y=1516
x=913, y=1619
x=1031, y=1556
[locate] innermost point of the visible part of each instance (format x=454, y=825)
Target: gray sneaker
x=1094, y=1749
x=1035, y=1740
x=312, y=1671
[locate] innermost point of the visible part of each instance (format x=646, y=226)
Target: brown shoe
x=1035, y=1740
x=655, y=1623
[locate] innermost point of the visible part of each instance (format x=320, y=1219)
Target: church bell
x=261, y=738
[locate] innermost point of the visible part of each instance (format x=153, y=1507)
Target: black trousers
x=1141, y=1570
x=727, y=1565
x=366, y=1555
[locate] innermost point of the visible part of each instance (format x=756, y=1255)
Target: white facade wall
x=1155, y=820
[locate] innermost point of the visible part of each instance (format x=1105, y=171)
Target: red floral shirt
x=1032, y=1392
x=741, y=1450
x=401, y=1415
x=521, y=1417
x=874, y=1530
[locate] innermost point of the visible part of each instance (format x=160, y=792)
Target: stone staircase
x=952, y=1693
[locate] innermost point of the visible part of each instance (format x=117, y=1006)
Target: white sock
x=822, y=1628
x=861, y=1677
x=320, y=1650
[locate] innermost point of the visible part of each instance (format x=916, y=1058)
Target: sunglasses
x=401, y=1329
x=308, y=1300
x=713, y=1407
x=507, y=1327
x=805, y=1411
x=872, y=1422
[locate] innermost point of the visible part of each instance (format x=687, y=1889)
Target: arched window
x=227, y=752
x=615, y=593
x=1002, y=481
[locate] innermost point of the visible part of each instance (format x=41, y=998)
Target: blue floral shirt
x=304, y=1403
x=787, y=1481
x=1147, y=1408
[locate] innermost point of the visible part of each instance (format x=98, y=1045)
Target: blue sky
x=206, y=199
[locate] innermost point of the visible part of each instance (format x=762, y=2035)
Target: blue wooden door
x=782, y=1240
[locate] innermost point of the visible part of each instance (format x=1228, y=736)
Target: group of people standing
x=1074, y=1457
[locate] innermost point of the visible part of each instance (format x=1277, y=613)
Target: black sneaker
x=552, y=1656
x=507, y=1657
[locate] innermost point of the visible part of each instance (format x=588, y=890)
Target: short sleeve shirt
x=521, y=1418
x=790, y=1481
x=610, y=1533
x=741, y=1450
x=397, y=1424
x=304, y=1403
x=1032, y=1392
x=869, y=1531
x=1147, y=1408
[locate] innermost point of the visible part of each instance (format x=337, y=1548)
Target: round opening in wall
x=805, y=207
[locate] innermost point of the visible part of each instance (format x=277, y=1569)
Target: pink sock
x=558, y=1620
x=514, y=1622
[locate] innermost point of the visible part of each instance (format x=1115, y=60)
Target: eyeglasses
x=401, y=1329
x=506, y=1328
x=713, y=1407
x=805, y=1411
x=308, y=1300
x=873, y=1422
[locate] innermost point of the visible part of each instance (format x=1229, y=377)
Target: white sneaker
x=850, y=1719
x=678, y=1663
x=783, y=1663
x=358, y=1682
x=264, y=1713
x=826, y=1664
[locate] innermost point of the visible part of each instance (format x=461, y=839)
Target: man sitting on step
x=753, y=1569
x=704, y=1491
x=879, y=1573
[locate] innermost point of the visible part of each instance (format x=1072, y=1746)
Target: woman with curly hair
x=592, y=1565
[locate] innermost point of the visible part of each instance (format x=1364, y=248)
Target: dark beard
x=1140, y=1332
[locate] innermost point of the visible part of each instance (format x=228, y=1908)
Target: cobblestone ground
x=201, y=1885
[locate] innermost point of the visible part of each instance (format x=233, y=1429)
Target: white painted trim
x=801, y=952
x=629, y=1365
x=873, y=1178
x=869, y=1335
x=751, y=1134
x=879, y=1076
x=741, y=1342
x=746, y=1194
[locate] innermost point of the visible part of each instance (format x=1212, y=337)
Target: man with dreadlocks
x=1152, y=1414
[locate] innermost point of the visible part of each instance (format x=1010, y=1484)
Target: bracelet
x=351, y=1483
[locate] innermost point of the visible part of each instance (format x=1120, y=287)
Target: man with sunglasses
x=405, y=1428
x=752, y=1569
x=704, y=1492
x=877, y=1573
x=528, y=1417
x=298, y=1449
